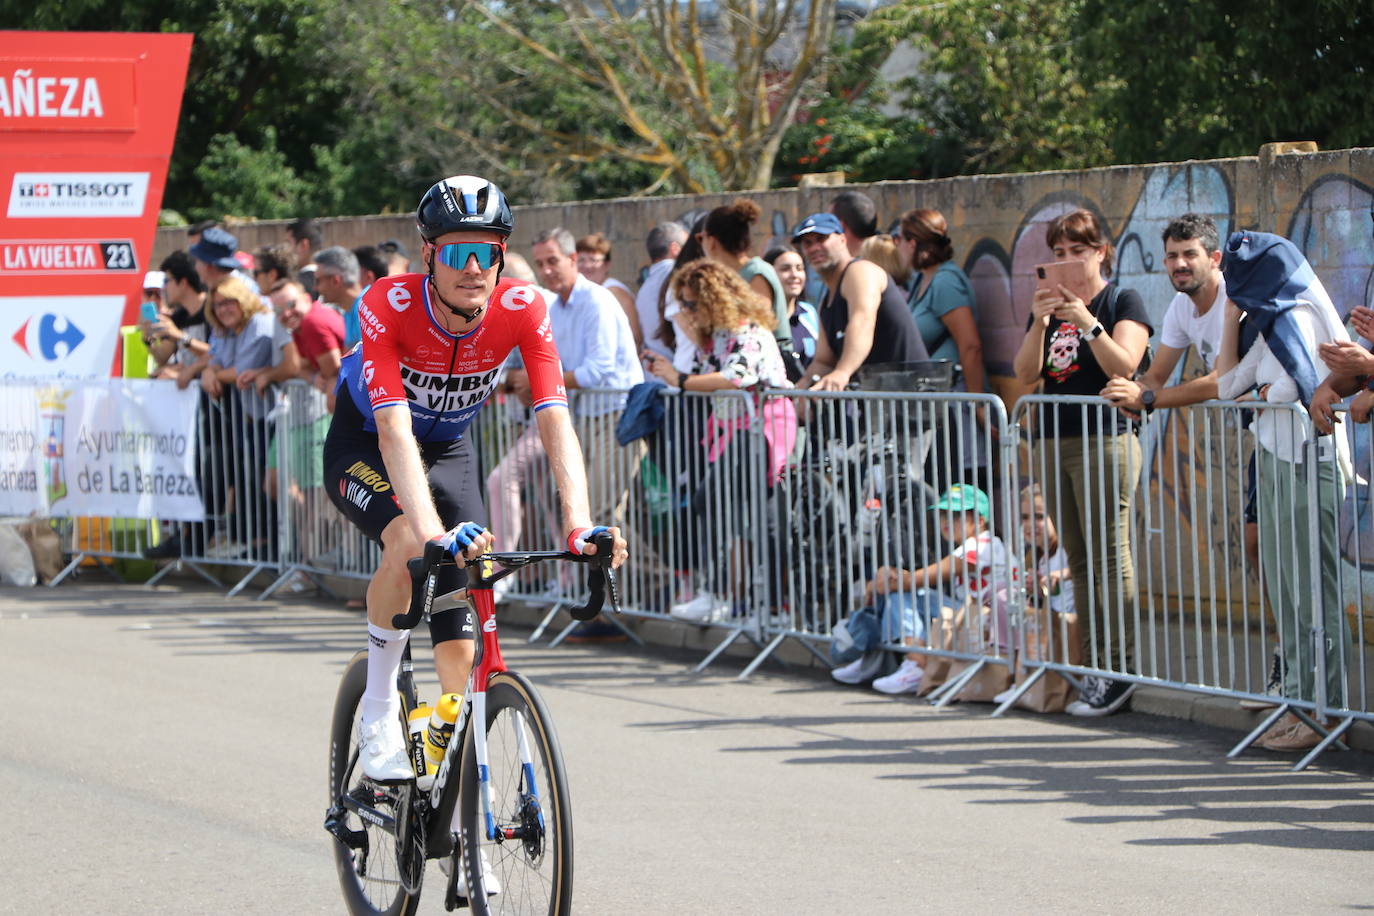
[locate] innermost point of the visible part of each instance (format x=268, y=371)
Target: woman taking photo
x=1089, y=455
x=732, y=328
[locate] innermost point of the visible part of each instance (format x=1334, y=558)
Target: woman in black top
x=1089, y=456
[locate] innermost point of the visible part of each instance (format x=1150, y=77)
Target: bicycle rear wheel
x=531, y=853
x=368, y=864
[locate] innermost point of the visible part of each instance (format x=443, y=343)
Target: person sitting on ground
x=731, y=325
x=1053, y=584
x=976, y=574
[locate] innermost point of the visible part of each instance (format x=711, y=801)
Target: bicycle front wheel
x=364, y=853
x=523, y=864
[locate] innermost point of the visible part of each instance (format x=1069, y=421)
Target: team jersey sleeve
x=381, y=367
x=537, y=349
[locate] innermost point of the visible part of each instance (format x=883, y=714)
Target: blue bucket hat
x=216, y=248
x=818, y=224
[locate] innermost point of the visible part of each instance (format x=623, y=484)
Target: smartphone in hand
x=1075, y=276
x=150, y=313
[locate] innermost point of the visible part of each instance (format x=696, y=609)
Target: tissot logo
x=48, y=194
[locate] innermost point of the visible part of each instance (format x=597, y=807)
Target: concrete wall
x=1320, y=200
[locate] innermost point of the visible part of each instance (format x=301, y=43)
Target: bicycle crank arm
x=334, y=823
x=368, y=813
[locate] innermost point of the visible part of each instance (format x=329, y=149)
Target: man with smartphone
x=1192, y=256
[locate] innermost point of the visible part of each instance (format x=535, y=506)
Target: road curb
x=1214, y=711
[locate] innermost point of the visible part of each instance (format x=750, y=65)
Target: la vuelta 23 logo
x=48, y=337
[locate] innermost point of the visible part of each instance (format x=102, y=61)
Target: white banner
x=119, y=448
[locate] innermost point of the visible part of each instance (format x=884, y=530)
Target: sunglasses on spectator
x=456, y=254
x=224, y=303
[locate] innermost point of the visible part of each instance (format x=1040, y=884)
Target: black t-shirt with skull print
x=1069, y=366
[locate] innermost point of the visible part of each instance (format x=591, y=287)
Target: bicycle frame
x=487, y=665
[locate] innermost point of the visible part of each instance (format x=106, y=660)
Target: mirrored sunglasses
x=456, y=254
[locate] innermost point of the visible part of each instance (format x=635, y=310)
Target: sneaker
x=225, y=550
x=596, y=630
x=906, y=679
x=168, y=549
x=489, y=879
x=382, y=750
x=501, y=589
x=704, y=608
x=860, y=671
x=1273, y=687
x=1100, y=696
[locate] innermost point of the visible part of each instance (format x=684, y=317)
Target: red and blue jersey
x=407, y=357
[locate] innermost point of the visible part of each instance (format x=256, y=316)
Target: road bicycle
x=505, y=776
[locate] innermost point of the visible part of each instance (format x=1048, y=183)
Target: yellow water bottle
x=419, y=718
x=440, y=730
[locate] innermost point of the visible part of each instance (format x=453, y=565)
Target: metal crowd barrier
x=860, y=493
x=781, y=505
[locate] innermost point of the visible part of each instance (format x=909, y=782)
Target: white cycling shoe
x=489, y=879
x=382, y=750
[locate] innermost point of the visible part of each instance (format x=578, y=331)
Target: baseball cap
x=964, y=498
x=818, y=224
x=154, y=279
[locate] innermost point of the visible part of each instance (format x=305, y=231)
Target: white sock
x=384, y=648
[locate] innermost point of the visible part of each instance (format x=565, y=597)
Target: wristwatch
x=1093, y=332
x=1147, y=399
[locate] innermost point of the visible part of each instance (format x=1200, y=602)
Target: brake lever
x=600, y=576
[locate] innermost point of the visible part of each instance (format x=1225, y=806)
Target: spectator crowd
x=717, y=309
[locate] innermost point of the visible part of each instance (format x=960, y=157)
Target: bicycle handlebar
x=423, y=569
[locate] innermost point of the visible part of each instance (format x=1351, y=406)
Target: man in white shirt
x=597, y=349
x=664, y=242
x=1192, y=256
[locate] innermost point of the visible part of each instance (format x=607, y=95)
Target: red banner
x=87, y=122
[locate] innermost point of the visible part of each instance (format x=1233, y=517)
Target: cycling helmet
x=463, y=203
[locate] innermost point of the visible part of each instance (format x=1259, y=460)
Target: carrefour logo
x=48, y=337
x=49, y=194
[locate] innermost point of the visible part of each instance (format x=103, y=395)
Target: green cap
x=964, y=498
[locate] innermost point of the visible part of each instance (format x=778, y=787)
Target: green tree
x=263, y=92
x=590, y=99
x=1197, y=79
x=998, y=80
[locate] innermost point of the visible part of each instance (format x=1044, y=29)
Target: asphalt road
x=164, y=752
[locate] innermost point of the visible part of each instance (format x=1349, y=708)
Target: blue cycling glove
x=460, y=537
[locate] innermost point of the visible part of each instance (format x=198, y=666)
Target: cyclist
x=396, y=461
